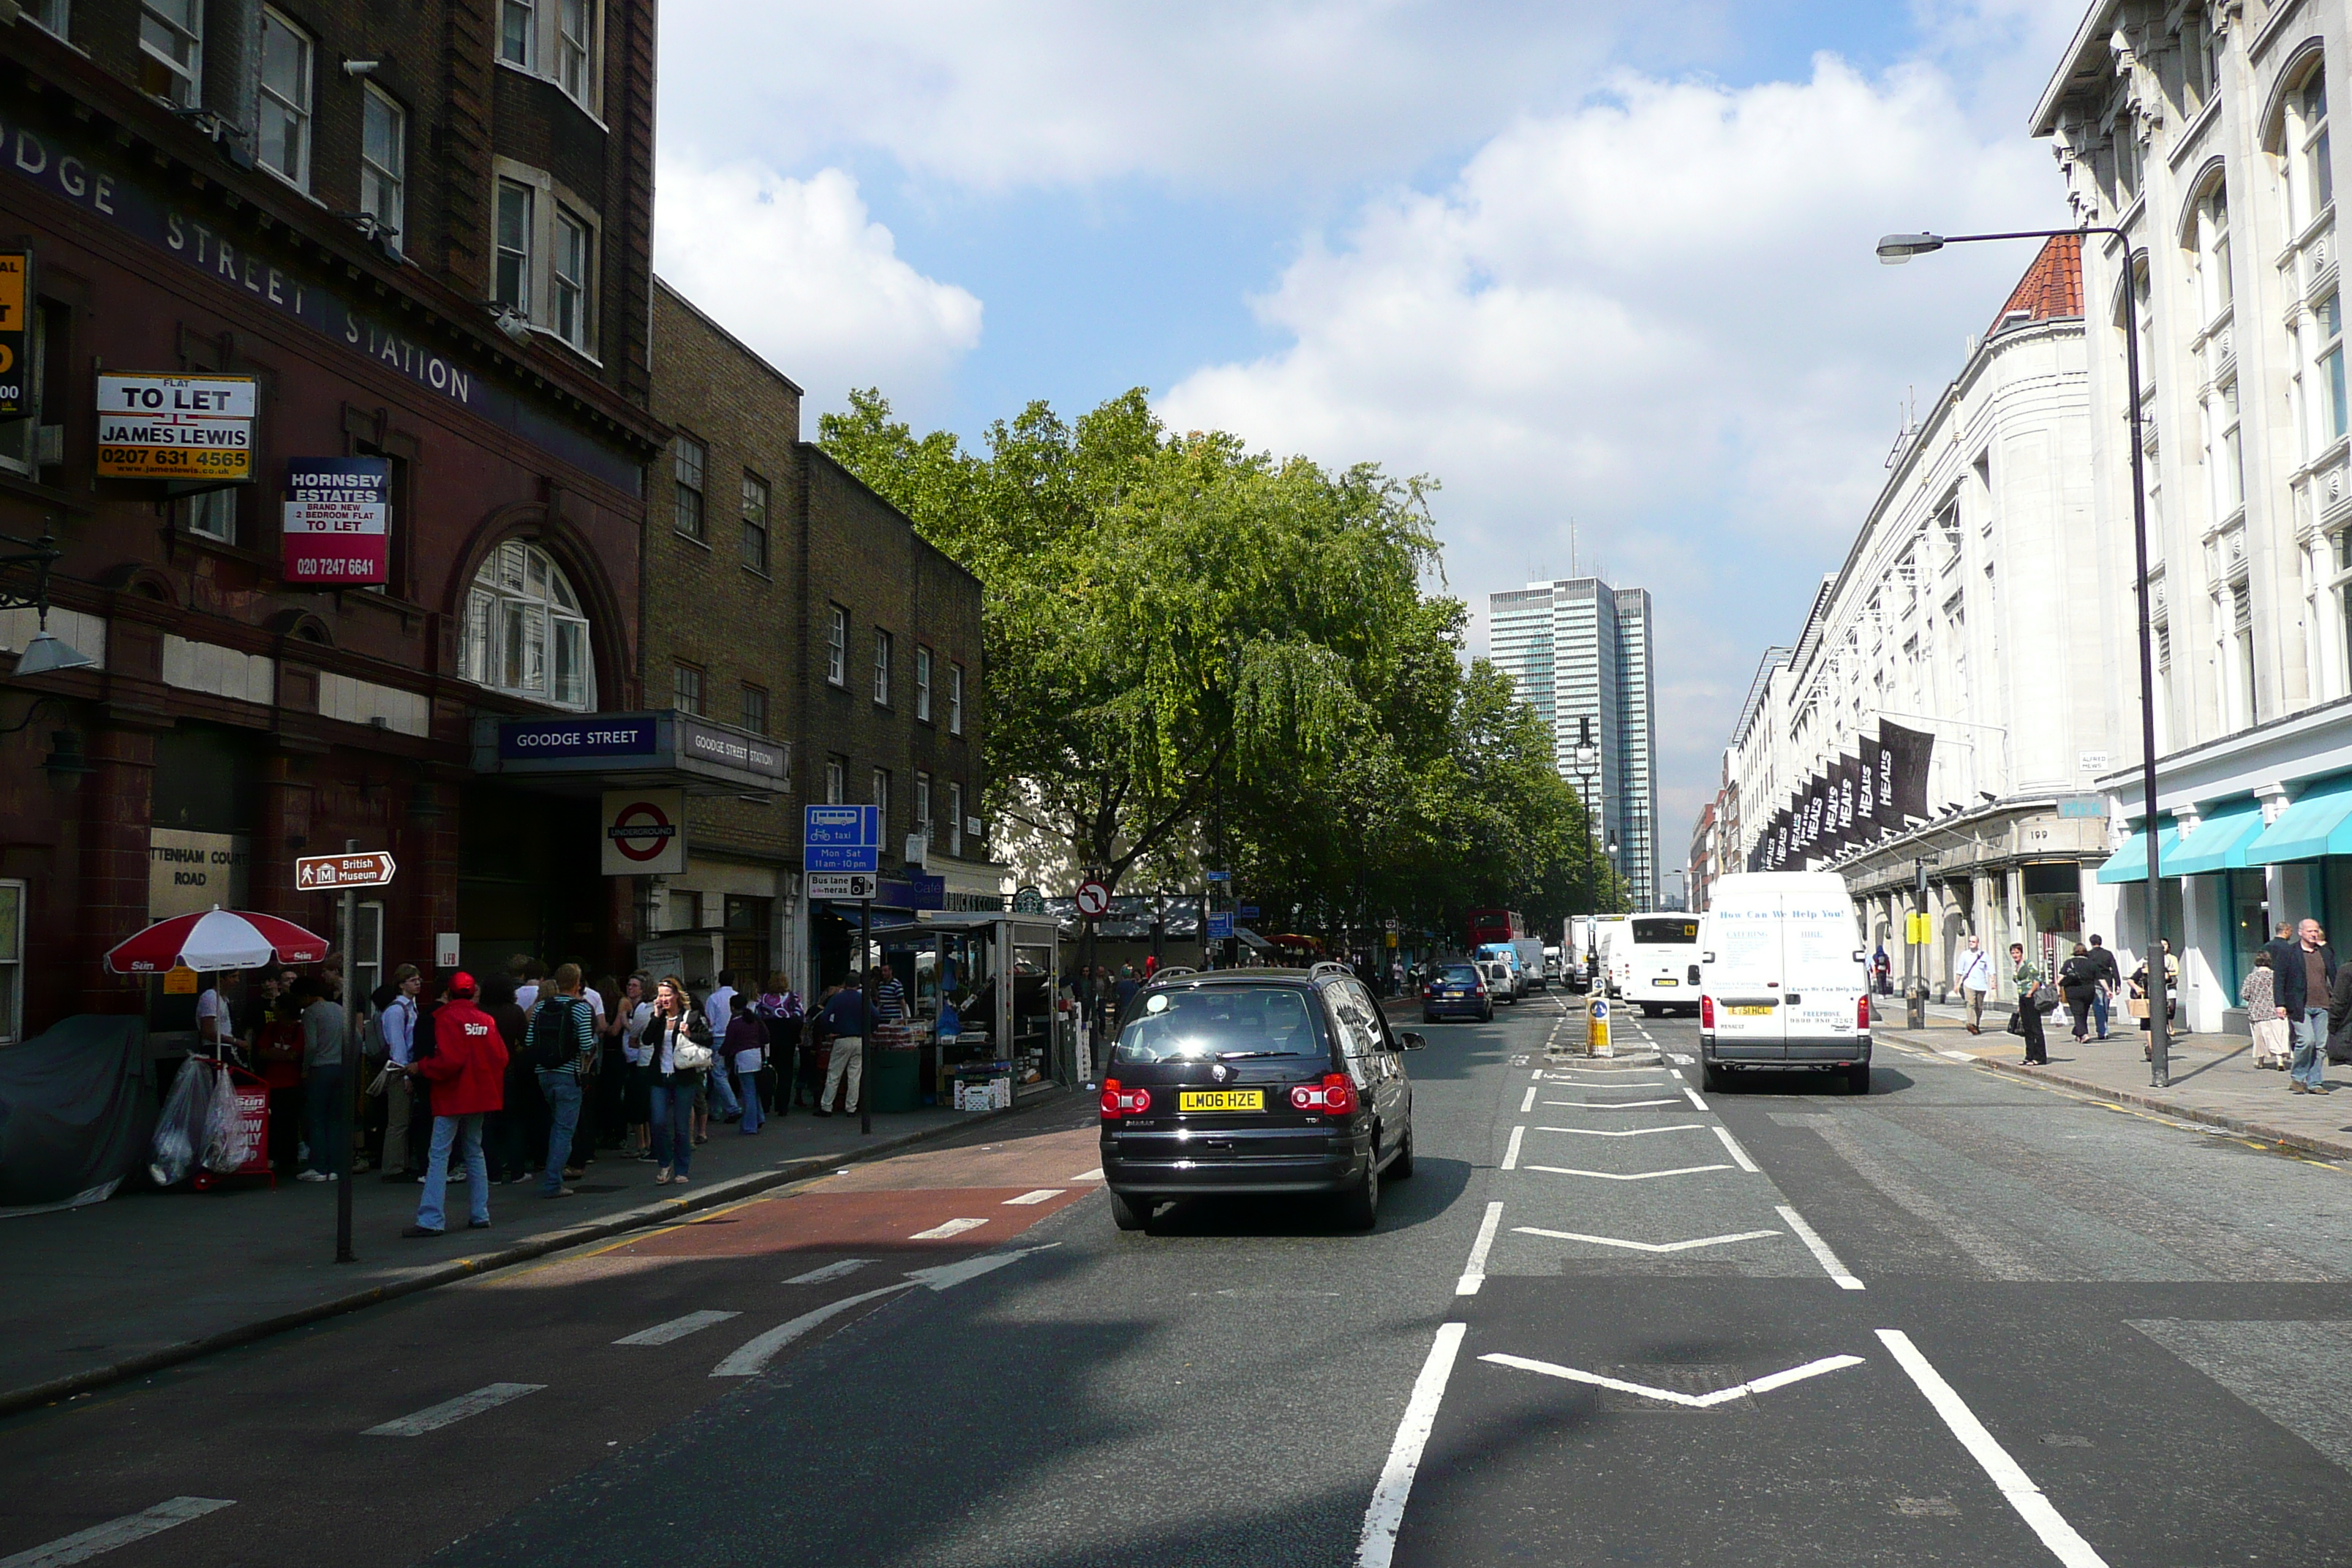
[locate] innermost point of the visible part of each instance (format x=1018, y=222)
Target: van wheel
x=1400, y=1167
x=1126, y=1216
x=1648, y=1011
x=1359, y=1208
x=1715, y=1079
x=1857, y=1078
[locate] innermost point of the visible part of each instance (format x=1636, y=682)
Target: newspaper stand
x=250, y=1128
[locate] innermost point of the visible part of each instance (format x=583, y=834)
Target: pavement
x=1969, y=1319
x=146, y=1279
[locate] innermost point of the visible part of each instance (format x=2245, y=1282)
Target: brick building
x=423, y=236
x=784, y=598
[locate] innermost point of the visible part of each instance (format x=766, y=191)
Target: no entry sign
x=1094, y=899
x=644, y=832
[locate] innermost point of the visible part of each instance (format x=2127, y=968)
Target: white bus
x=1658, y=967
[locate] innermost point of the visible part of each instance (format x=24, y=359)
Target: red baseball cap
x=461, y=985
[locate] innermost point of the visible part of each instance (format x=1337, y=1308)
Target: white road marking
x=947, y=1228
x=433, y=1417
x=1511, y=1154
x=1692, y=1095
x=1529, y=1103
x=1375, y=1547
x=1644, y=1246
x=847, y=1265
x=2007, y=1474
x=1539, y=1073
x=1673, y=1396
x=755, y=1353
x=1042, y=1195
x=1473, y=1272
x=1605, y=1105
x=1955, y=1056
x=1737, y=1153
x=84, y=1544
x=675, y=1329
x=1675, y=1073
x=1635, y=1177
x=1628, y=1132
x=1819, y=1249
x=1678, y=1056
x=1094, y=1175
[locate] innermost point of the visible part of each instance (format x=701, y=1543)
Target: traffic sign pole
x=866, y=1041
x=343, y=1253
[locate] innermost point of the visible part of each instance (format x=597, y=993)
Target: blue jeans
x=722, y=1093
x=327, y=1117
x=2099, y=1011
x=672, y=1121
x=561, y=1087
x=747, y=1089
x=2310, y=1065
x=446, y=1130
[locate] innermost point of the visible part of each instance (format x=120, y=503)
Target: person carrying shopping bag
x=677, y=1040
x=2028, y=977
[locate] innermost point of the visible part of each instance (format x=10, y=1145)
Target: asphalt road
x=1965, y=1319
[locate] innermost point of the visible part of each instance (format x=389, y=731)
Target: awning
x=2218, y=843
x=2320, y=822
x=2129, y=864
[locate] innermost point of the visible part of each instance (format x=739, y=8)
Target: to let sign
x=335, y=522
x=328, y=873
x=16, y=299
x=175, y=428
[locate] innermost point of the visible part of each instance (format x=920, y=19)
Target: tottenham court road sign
x=327, y=873
x=841, y=838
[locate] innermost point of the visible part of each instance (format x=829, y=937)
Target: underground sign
x=644, y=832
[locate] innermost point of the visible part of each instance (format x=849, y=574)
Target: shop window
x=688, y=458
x=755, y=710
x=283, y=104
x=512, y=287
x=837, y=647
x=172, y=50
x=686, y=687
x=955, y=818
x=836, y=781
x=955, y=700
x=881, y=667
x=525, y=632
x=922, y=683
x=12, y=961
x=384, y=161
x=755, y=524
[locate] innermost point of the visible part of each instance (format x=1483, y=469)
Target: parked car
x=1256, y=1081
x=1457, y=991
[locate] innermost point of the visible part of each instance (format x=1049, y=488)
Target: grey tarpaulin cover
x=76, y=1107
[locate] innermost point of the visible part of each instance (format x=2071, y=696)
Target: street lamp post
x=1897, y=248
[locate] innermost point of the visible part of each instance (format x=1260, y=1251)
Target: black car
x=1255, y=1080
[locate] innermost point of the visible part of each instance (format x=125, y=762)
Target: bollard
x=1596, y=1026
x=1915, y=1005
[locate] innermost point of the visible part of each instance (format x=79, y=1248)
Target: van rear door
x=1820, y=974
x=1745, y=978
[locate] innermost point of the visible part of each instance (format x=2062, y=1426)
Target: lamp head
x=1897, y=248
x=45, y=653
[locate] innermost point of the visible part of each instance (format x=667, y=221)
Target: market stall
x=983, y=990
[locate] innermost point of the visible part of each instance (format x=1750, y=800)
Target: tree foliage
x=1195, y=650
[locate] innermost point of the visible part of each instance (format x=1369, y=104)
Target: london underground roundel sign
x=643, y=831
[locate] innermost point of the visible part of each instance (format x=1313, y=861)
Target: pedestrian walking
x=679, y=1038
x=2078, y=983
x=780, y=1008
x=636, y=1096
x=2316, y=961
x=326, y=1104
x=2027, y=978
x=513, y=1133
x=2265, y=1019
x=718, y=1012
x=468, y=1070
x=744, y=1049
x=396, y=1023
x=1883, y=968
x=2339, y=1014
x=2171, y=996
x=1973, y=975
x=2111, y=980
x=844, y=1022
x=562, y=1050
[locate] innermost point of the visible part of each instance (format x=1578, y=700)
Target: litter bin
x=893, y=1074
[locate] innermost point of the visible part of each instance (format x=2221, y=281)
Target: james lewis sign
x=335, y=521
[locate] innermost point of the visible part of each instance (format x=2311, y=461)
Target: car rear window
x=1219, y=1022
x=1459, y=975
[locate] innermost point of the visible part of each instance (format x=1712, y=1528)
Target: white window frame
x=210, y=514
x=563, y=43
x=526, y=36
x=836, y=781
x=2310, y=163
x=545, y=289
x=2330, y=418
x=882, y=800
x=520, y=248
x=522, y=616
x=572, y=295
x=923, y=807
x=53, y=17
x=690, y=453
x=186, y=81
x=2216, y=285
x=367, y=951
x=955, y=699
x=882, y=641
x=837, y=648
x=575, y=50
x=383, y=187
x=955, y=818
x=12, y=963
x=922, y=683
x=293, y=113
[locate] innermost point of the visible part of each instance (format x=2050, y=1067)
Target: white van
x=1661, y=968
x=1783, y=978
x=1609, y=943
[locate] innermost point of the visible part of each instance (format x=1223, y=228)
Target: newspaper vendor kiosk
x=1001, y=974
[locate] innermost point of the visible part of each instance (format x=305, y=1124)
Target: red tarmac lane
x=493, y=1390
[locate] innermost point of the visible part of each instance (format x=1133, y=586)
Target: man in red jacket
x=468, y=1071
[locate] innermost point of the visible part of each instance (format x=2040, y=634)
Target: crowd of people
x=532, y=1074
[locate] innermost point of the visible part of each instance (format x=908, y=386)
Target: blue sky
x=1576, y=266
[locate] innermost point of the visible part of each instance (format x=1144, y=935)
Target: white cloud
x=799, y=271
x=1658, y=313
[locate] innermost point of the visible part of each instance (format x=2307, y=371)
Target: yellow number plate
x=1752, y=1011
x=1669, y=983
x=1220, y=1099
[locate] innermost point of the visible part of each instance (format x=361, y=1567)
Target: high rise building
x=1579, y=651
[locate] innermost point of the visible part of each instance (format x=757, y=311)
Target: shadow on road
x=1434, y=1185
x=1883, y=1080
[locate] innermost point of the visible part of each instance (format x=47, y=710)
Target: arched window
x=2310, y=179
x=525, y=634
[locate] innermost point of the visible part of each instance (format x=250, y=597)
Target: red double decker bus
x=1493, y=925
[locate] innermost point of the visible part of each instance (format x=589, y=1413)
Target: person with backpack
x=2078, y=982
x=560, y=1047
x=468, y=1069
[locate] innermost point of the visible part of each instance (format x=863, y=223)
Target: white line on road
x=675, y=1329
x=1609, y=1105
x=84, y=1544
x=1819, y=1249
x=2007, y=1474
x=1040, y=1195
x=758, y=1351
x=1645, y=1246
x=1955, y=1056
x=1674, y=1396
x=433, y=1417
x=1737, y=1153
x=1473, y=1272
x=1539, y=1073
x=1628, y=1132
x=1375, y=1547
x=1511, y=1154
x=1529, y=1102
x=1692, y=1095
x=1094, y=1175
x=1635, y=1177
x=830, y=1271
x=947, y=1228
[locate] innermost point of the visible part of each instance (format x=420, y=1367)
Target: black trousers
x=2080, y=1008
x=2037, y=1049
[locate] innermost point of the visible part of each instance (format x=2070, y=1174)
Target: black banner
x=1904, y=768
x=1855, y=800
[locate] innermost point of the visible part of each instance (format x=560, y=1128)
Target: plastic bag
x=187, y=1112
x=229, y=1134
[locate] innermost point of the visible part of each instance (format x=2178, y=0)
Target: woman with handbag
x=2140, y=998
x=2027, y=978
x=2078, y=985
x=677, y=1038
x=2265, y=1019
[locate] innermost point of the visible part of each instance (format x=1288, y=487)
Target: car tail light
x=1335, y=1096
x=1706, y=1012
x=1479, y=989
x=1862, y=1012
x=1117, y=1101
x=1430, y=989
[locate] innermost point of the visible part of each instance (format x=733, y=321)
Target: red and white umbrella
x=216, y=938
